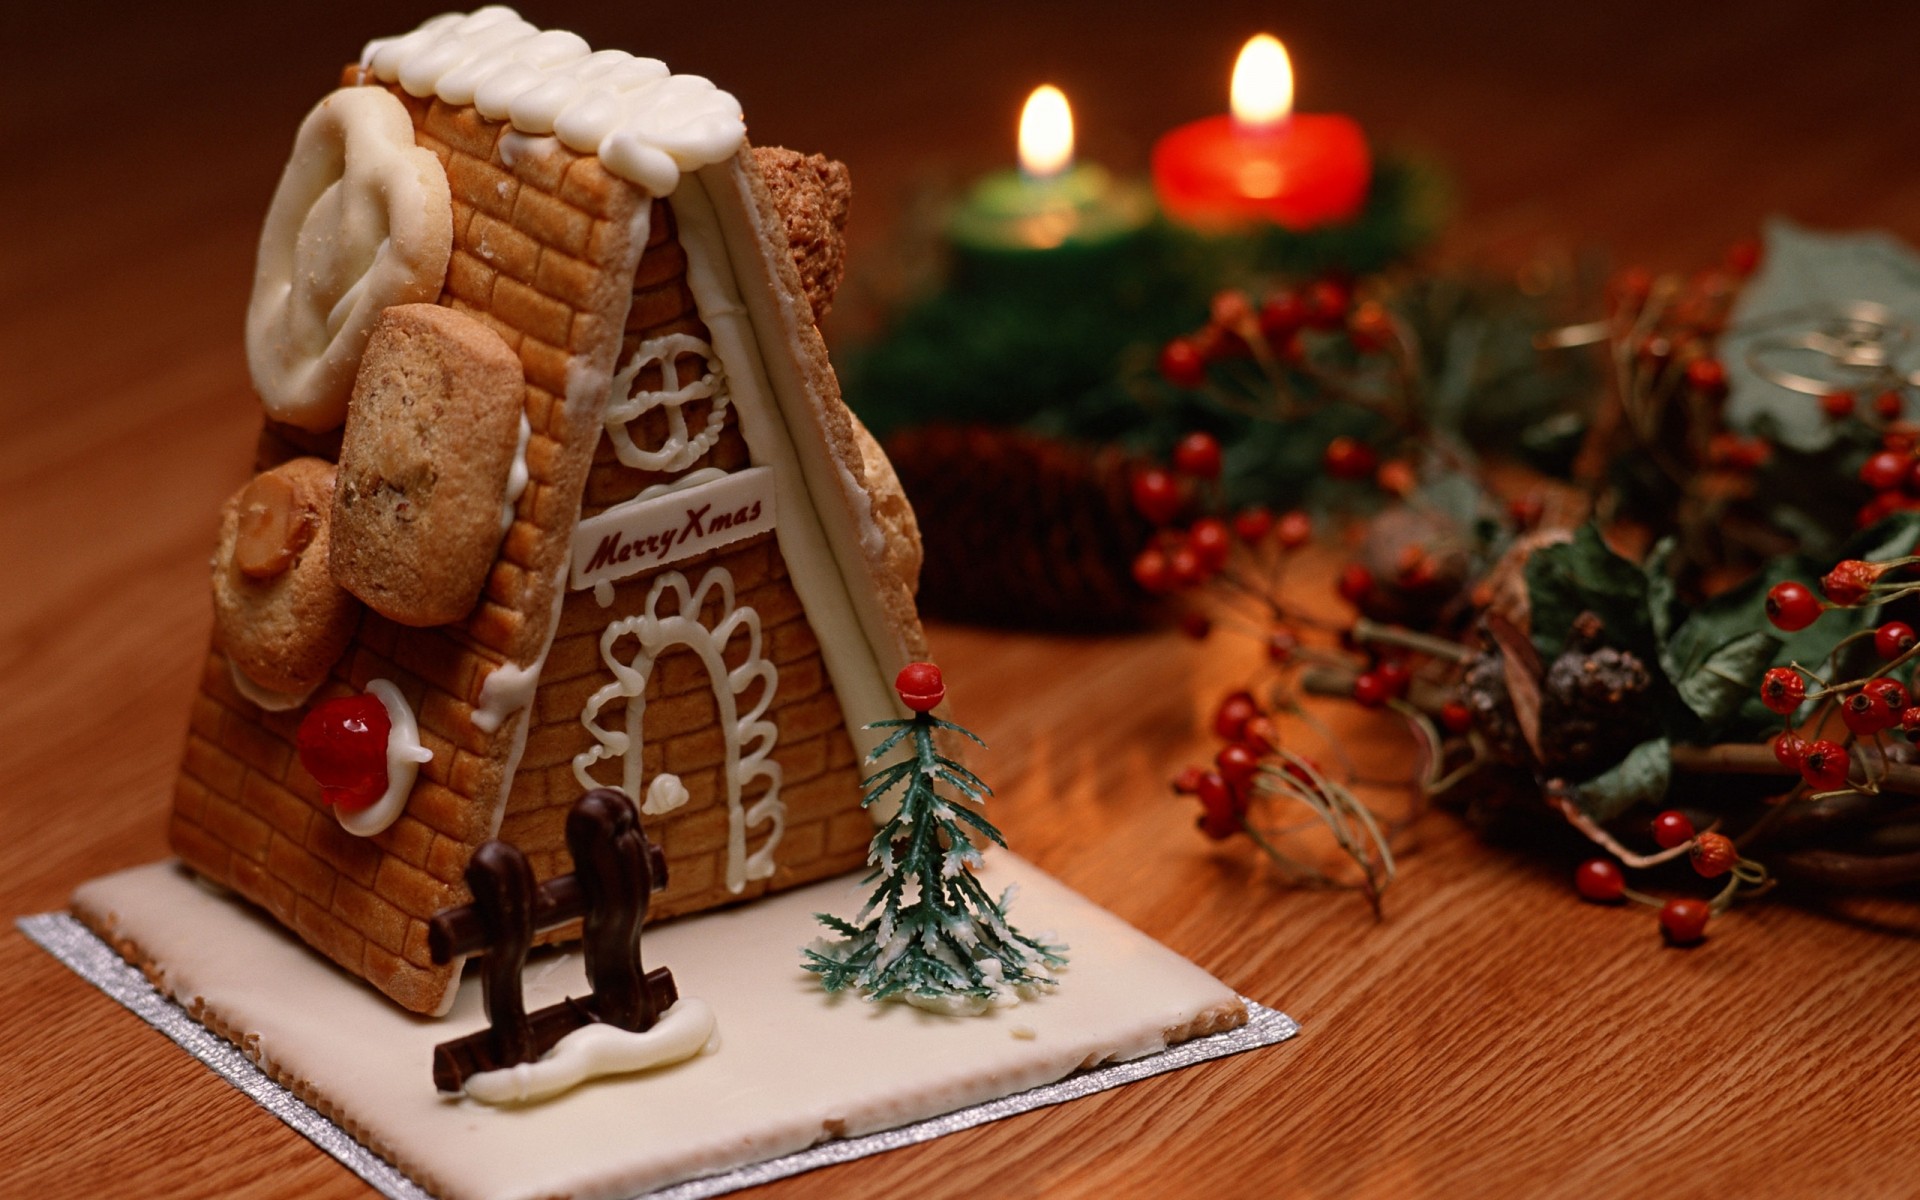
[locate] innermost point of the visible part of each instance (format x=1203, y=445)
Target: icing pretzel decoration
x=362, y=220
x=679, y=450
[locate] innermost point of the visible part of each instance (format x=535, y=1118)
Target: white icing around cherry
x=405, y=754
x=646, y=124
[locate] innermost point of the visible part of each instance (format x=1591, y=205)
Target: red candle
x=1264, y=164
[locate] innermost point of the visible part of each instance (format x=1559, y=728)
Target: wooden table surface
x=1492, y=1036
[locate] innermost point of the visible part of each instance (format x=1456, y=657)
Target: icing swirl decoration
x=679, y=449
x=361, y=220
x=646, y=124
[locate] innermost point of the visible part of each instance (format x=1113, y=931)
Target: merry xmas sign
x=656, y=530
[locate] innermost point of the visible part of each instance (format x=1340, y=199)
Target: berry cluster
x=1713, y=855
x=1276, y=330
x=1892, y=471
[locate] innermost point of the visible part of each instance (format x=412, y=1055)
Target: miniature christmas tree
x=930, y=934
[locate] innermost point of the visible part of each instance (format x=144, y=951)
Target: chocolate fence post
x=617, y=871
x=503, y=890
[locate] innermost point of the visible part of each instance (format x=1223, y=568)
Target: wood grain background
x=1491, y=1037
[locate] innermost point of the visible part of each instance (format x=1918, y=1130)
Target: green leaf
x=1662, y=593
x=1639, y=778
x=1716, y=685
x=1584, y=575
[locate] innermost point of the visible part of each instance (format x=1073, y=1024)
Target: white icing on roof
x=646, y=124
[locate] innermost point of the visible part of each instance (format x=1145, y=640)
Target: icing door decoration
x=749, y=736
x=680, y=449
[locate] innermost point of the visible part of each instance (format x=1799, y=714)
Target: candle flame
x=1262, y=82
x=1046, y=132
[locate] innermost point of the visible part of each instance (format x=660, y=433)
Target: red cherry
x=343, y=744
x=1713, y=855
x=1789, y=749
x=1707, y=376
x=1884, y=470
x=1231, y=717
x=920, y=685
x=1893, y=639
x=1152, y=571
x=1825, y=765
x=1295, y=530
x=1237, y=764
x=1456, y=718
x=1281, y=644
x=1356, y=584
x=1792, y=607
x=1888, y=692
x=1327, y=303
x=1348, y=458
x=1252, y=524
x=1684, y=922
x=1671, y=828
x=1156, y=494
x=1838, y=406
x=1889, y=405
x=1783, y=689
x=1370, y=691
x=1198, y=455
x=1395, y=676
x=1599, y=880
x=1182, y=364
x=1210, y=542
x=1282, y=315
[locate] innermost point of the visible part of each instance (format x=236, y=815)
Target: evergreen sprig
x=929, y=931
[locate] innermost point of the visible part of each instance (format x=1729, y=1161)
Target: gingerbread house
x=556, y=471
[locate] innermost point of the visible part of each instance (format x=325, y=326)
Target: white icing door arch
x=749, y=737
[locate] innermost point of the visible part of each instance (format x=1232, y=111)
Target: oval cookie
x=278, y=614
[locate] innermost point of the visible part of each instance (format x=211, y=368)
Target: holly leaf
x=1715, y=683
x=1639, y=778
x=1585, y=575
x=1662, y=592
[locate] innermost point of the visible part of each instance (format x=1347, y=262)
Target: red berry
x=1371, y=327
x=1220, y=811
x=1888, y=692
x=1684, y=922
x=1889, y=405
x=343, y=744
x=1599, y=880
x=1196, y=625
x=1156, y=494
x=1261, y=735
x=1211, y=542
x=1743, y=256
x=1230, y=308
x=1838, y=406
x=1707, y=376
x=1230, y=719
x=1152, y=571
x=1884, y=470
x=1848, y=583
x=1456, y=718
x=1525, y=511
x=1910, y=724
x=1782, y=689
x=1187, y=782
x=1789, y=749
x=920, y=685
x=1671, y=828
x=1281, y=644
x=1395, y=676
x=1356, y=584
x=1348, y=458
x=1185, y=567
x=1825, y=766
x=1282, y=315
x=1327, y=303
x=1893, y=639
x=1182, y=363
x=1396, y=477
x=1713, y=855
x=1370, y=691
x=1790, y=606
x=1198, y=455
x=1295, y=530
x=1866, y=713
x=1252, y=524
x=1910, y=486
x=1237, y=763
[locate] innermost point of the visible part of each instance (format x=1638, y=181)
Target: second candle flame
x=1046, y=133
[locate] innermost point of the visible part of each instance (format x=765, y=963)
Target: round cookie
x=278, y=614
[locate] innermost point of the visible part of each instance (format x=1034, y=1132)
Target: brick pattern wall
x=536, y=248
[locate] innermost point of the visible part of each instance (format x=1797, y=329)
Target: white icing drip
x=516, y=147
x=268, y=699
x=603, y=593
x=509, y=687
x=664, y=794
x=749, y=736
x=679, y=450
x=517, y=477
x=593, y=1051
x=583, y=384
x=647, y=125
x=404, y=756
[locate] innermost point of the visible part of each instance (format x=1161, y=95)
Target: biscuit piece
x=431, y=437
x=278, y=614
x=812, y=193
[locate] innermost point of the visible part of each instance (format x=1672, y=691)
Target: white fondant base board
x=793, y=1067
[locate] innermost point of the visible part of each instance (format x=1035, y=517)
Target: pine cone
x=1483, y=689
x=1021, y=530
x=1593, y=708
